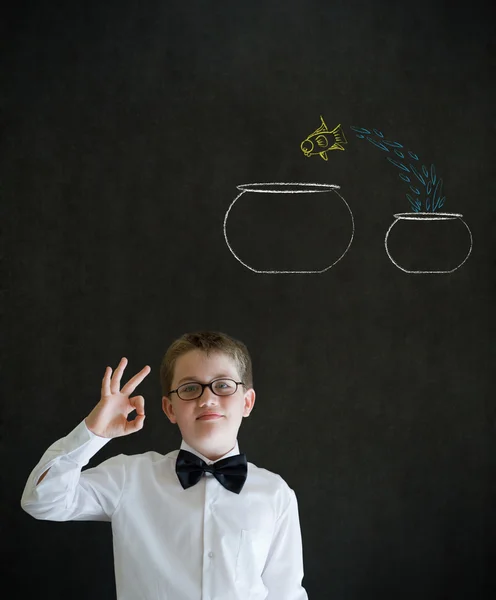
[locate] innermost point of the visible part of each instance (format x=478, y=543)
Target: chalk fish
x=322, y=141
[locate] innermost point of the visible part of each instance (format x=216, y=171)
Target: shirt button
x=211, y=554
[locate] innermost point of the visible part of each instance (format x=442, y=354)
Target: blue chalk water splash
x=426, y=197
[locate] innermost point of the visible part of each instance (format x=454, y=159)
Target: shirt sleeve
x=66, y=493
x=283, y=572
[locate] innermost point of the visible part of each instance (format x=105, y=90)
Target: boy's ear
x=249, y=402
x=168, y=409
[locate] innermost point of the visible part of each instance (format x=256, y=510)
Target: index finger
x=133, y=383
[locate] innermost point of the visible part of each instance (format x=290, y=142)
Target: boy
x=198, y=523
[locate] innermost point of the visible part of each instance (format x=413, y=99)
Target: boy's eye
x=223, y=385
x=190, y=387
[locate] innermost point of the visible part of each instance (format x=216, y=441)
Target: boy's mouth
x=209, y=416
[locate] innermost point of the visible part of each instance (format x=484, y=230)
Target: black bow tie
x=230, y=472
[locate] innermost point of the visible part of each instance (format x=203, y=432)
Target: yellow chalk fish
x=322, y=141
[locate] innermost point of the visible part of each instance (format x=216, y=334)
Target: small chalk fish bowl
x=428, y=242
x=288, y=227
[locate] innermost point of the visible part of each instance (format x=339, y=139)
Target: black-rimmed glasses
x=220, y=387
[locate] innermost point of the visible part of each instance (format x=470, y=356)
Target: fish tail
x=339, y=136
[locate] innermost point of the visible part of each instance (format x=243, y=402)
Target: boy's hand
x=109, y=417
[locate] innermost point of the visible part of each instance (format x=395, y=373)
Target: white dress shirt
x=202, y=543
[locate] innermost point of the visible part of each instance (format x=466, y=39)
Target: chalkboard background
x=126, y=128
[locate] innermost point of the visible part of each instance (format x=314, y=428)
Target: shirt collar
x=233, y=452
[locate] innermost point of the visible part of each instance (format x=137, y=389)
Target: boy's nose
x=208, y=397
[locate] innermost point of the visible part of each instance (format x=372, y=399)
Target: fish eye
x=307, y=145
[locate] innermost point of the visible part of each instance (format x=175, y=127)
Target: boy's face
x=213, y=437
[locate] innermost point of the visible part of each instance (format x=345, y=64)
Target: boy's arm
x=283, y=572
x=56, y=490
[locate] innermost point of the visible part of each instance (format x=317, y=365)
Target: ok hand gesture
x=109, y=417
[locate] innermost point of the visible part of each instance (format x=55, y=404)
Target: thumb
x=138, y=402
x=136, y=424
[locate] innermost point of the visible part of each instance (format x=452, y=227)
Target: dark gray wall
x=126, y=128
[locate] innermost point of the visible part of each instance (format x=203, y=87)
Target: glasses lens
x=189, y=391
x=224, y=387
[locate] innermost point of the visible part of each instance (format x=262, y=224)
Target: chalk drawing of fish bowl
x=288, y=227
x=428, y=242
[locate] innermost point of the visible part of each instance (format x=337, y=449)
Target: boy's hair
x=208, y=342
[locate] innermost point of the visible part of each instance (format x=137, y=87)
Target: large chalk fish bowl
x=428, y=242
x=288, y=227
